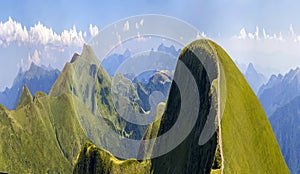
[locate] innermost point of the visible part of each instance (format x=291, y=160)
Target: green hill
x=245, y=142
x=90, y=86
x=249, y=144
x=40, y=136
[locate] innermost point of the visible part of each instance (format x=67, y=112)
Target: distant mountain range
x=280, y=99
x=279, y=91
x=253, y=77
x=113, y=62
x=37, y=78
x=285, y=122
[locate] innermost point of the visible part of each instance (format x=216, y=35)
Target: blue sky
x=211, y=16
x=250, y=30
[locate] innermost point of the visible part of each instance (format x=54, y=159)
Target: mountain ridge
x=279, y=90
x=36, y=78
x=247, y=134
x=285, y=121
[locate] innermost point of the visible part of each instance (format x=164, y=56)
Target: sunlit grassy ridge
x=249, y=144
x=96, y=160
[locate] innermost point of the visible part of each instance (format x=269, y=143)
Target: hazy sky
x=212, y=16
x=262, y=32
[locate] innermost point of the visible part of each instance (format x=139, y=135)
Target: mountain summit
x=25, y=97
x=255, y=79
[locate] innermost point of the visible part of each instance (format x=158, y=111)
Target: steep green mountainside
x=25, y=97
x=244, y=143
x=44, y=134
x=90, y=86
x=285, y=122
x=249, y=144
x=41, y=136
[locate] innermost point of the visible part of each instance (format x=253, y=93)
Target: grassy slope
x=25, y=97
x=91, y=86
x=249, y=144
x=41, y=136
x=96, y=160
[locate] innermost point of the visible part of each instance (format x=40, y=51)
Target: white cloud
x=39, y=44
x=126, y=26
x=93, y=30
x=69, y=37
x=137, y=24
x=292, y=30
x=200, y=35
x=265, y=36
x=35, y=58
x=271, y=52
x=243, y=34
x=264, y=33
x=13, y=32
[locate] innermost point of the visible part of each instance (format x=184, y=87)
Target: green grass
x=41, y=136
x=216, y=171
x=25, y=97
x=249, y=144
x=96, y=160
